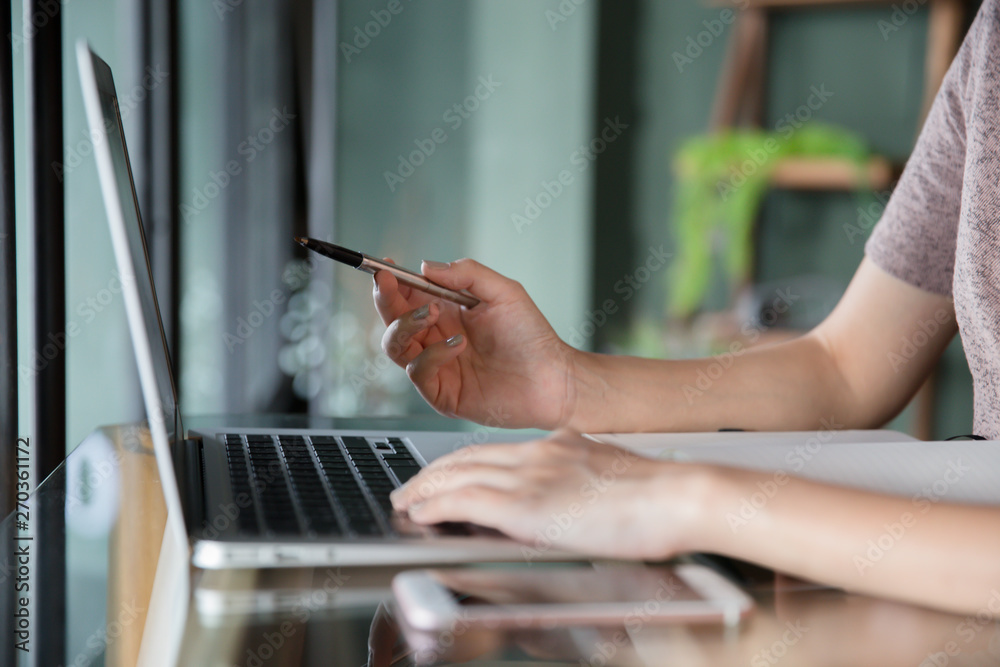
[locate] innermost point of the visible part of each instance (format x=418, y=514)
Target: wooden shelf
x=831, y=174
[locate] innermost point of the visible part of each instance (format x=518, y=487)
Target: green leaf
x=721, y=180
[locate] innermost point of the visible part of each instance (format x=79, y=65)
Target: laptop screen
x=166, y=608
x=141, y=275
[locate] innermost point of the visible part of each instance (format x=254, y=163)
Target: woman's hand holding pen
x=500, y=363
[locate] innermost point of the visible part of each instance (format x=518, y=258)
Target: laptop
x=256, y=498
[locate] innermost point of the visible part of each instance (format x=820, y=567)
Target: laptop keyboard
x=316, y=485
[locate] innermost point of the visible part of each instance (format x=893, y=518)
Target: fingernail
x=436, y=265
x=422, y=312
x=454, y=341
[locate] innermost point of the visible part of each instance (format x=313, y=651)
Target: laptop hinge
x=189, y=468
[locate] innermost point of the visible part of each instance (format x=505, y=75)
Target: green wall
x=523, y=85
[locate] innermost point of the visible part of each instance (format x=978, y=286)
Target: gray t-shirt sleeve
x=915, y=238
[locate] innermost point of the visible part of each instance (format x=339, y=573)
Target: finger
x=431, y=483
x=389, y=302
x=391, y=298
x=470, y=275
x=511, y=454
x=424, y=367
x=570, y=437
x=398, y=341
x=405, y=290
x=482, y=505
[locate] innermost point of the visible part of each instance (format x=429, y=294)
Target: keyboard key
x=355, y=443
x=321, y=484
x=367, y=529
x=310, y=494
x=405, y=472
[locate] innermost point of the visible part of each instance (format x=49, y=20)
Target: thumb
x=469, y=274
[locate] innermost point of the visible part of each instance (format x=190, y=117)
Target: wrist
x=728, y=507
x=586, y=392
x=696, y=499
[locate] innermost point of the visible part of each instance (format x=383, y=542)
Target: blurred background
x=666, y=178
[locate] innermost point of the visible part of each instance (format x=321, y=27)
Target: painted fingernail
x=436, y=265
x=454, y=341
x=422, y=312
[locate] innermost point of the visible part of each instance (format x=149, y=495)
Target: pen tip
x=300, y=240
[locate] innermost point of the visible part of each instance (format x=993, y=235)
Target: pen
x=369, y=264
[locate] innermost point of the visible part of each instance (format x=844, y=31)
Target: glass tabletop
x=104, y=587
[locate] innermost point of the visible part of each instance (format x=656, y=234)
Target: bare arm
x=859, y=368
x=940, y=555
x=568, y=492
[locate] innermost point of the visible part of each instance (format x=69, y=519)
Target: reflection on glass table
x=133, y=599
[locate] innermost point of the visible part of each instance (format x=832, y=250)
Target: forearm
x=858, y=368
x=790, y=386
x=940, y=555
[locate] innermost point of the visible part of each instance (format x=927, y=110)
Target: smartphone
x=544, y=597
